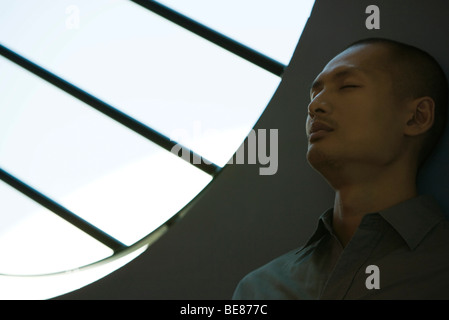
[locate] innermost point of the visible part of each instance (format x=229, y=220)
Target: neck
x=368, y=193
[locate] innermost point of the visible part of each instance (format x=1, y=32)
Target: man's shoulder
x=266, y=282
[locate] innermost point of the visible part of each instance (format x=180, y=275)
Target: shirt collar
x=412, y=220
x=324, y=227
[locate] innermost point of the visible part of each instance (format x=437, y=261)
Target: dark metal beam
x=110, y=111
x=219, y=39
x=62, y=212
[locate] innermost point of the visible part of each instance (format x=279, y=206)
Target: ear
x=421, y=116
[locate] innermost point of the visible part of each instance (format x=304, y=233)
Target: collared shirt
x=398, y=253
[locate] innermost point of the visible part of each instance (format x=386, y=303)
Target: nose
x=319, y=105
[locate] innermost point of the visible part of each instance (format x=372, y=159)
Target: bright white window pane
x=168, y=78
x=272, y=27
x=33, y=240
x=52, y=285
x=95, y=167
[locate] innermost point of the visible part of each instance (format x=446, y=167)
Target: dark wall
x=243, y=219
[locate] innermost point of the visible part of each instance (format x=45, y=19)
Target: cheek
x=366, y=128
x=368, y=114
x=375, y=139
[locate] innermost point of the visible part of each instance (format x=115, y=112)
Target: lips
x=318, y=130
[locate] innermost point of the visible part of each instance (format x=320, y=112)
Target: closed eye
x=349, y=86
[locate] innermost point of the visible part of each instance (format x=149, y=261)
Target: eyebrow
x=347, y=71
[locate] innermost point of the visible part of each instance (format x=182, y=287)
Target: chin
x=320, y=159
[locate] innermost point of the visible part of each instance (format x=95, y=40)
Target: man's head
x=378, y=101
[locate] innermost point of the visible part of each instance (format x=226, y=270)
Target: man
x=376, y=111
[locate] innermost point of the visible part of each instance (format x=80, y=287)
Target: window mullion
x=62, y=212
x=215, y=37
x=111, y=112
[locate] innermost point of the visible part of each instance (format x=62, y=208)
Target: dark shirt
x=408, y=243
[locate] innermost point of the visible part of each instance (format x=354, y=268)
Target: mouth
x=318, y=130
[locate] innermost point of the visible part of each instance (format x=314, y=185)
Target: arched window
x=95, y=97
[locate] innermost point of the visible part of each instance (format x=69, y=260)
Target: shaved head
x=415, y=74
